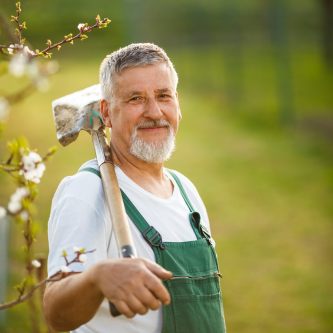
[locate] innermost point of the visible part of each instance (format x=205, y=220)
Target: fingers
x=123, y=308
x=147, y=298
x=133, y=285
x=131, y=307
x=158, y=289
x=158, y=270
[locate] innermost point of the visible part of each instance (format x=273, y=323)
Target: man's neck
x=149, y=176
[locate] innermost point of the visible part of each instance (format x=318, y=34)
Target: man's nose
x=152, y=109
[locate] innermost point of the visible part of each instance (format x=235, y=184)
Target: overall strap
x=181, y=189
x=195, y=217
x=149, y=233
x=96, y=172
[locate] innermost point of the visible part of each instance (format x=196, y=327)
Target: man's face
x=143, y=95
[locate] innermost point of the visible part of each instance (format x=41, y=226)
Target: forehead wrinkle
x=138, y=92
x=161, y=90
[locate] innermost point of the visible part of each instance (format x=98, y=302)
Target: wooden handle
x=113, y=197
x=115, y=203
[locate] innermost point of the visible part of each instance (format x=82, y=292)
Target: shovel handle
x=118, y=215
x=113, y=197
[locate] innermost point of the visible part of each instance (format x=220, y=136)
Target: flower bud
x=36, y=263
x=65, y=269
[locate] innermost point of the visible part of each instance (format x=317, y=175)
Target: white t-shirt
x=80, y=217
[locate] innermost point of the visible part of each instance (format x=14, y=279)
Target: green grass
x=267, y=188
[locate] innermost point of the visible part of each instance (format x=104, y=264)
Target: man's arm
x=132, y=285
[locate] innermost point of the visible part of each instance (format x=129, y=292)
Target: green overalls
x=196, y=299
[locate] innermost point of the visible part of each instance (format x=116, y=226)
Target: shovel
x=81, y=111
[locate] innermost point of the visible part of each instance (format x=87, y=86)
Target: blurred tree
x=327, y=12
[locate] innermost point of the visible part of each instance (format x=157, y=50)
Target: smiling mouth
x=153, y=128
x=153, y=125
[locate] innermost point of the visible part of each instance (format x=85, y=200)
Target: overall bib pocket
x=197, y=304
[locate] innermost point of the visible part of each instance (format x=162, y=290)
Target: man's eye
x=135, y=99
x=164, y=95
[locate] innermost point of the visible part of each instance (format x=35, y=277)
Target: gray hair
x=133, y=55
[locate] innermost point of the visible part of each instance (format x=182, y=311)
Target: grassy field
x=267, y=189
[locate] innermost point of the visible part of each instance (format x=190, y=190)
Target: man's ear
x=105, y=113
x=180, y=114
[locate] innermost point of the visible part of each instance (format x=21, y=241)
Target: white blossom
x=27, y=51
x=80, y=26
x=4, y=108
x=32, y=176
x=14, y=206
x=24, y=215
x=17, y=64
x=78, y=249
x=83, y=259
x=36, y=263
x=3, y=212
x=20, y=193
x=65, y=269
x=35, y=157
x=40, y=170
x=32, y=168
x=10, y=49
x=28, y=163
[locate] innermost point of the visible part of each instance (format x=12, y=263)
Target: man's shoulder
x=187, y=184
x=82, y=185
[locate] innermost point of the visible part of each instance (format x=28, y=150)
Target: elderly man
x=177, y=274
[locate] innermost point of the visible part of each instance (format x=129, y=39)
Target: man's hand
x=132, y=285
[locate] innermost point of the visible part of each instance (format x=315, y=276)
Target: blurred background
x=256, y=94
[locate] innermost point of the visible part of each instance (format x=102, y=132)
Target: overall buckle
x=161, y=245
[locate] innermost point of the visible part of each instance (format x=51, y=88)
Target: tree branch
x=98, y=24
x=21, y=298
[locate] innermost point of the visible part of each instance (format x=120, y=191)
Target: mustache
x=153, y=124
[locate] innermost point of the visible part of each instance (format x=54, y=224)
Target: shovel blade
x=73, y=113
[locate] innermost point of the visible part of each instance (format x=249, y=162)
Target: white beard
x=153, y=152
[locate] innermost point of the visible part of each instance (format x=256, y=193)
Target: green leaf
x=64, y=253
x=25, y=248
x=83, y=37
x=53, y=149
x=98, y=18
x=82, y=250
x=18, y=288
x=23, y=40
x=48, y=42
x=59, y=47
